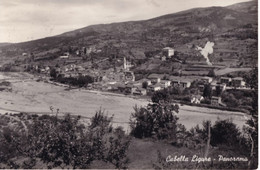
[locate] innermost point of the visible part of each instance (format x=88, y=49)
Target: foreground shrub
x=225, y=132
x=157, y=120
x=66, y=143
x=223, y=139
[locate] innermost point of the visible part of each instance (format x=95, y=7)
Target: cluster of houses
x=234, y=82
x=81, y=52
x=165, y=54
x=149, y=85
x=87, y=50
x=222, y=84
x=123, y=80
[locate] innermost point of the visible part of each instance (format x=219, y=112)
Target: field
x=230, y=70
x=36, y=97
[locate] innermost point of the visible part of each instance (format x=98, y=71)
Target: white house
x=196, y=99
x=238, y=82
x=168, y=52
x=165, y=83
x=154, y=88
x=207, y=79
x=185, y=84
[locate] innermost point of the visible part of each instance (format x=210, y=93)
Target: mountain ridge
x=181, y=30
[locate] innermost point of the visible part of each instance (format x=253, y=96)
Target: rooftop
x=167, y=48
x=238, y=78
x=206, y=77
x=151, y=76
x=215, y=98
x=225, y=78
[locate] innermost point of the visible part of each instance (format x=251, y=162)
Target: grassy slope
x=144, y=153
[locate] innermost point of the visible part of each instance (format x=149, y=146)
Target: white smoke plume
x=208, y=49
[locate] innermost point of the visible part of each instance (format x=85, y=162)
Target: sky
x=24, y=20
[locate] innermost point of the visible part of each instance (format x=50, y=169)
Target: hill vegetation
x=233, y=29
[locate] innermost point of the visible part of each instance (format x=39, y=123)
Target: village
x=129, y=84
x=122, y=79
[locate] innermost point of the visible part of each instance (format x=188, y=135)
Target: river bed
x=36, y=97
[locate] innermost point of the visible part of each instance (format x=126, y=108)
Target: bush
x=7, y=145
x=157, y=120
x=211, y=73
x=230, y=99
x=80, y=81
x=161, y=96
x=225, y=132
x=205, y=101
x=66, y=143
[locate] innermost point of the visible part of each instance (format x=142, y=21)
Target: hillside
x=4, y=44
x=233, y=29
x=247, y=7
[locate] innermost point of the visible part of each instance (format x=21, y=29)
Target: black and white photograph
x=128, y=84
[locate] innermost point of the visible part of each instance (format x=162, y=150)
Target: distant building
x=185, y=84
x=154, y=78
x=154, y=88
x=129, y=76
x=238, y=82
x=225, y=80
x=65, y=55
x=163, y=58
x=222, y=87
x=207, y=79
x=168, y=52
x=127, y=65
x=129, y=89
x=175, y=83
x=165, y=83
x=181, y=83
x=196, y=99
x=140, y=91
x=215, y=101
x=149, y=82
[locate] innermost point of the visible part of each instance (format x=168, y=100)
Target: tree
x=156, y=120
x=145, y=85
x=66, y=143
x=225, y=132
x=218, y=91
x=207, y=93
x=161, y=96
x=53, y=73
x=252, y=123
x=212, y=73
x=230, y=99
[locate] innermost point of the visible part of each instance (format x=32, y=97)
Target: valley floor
x=30, y=96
